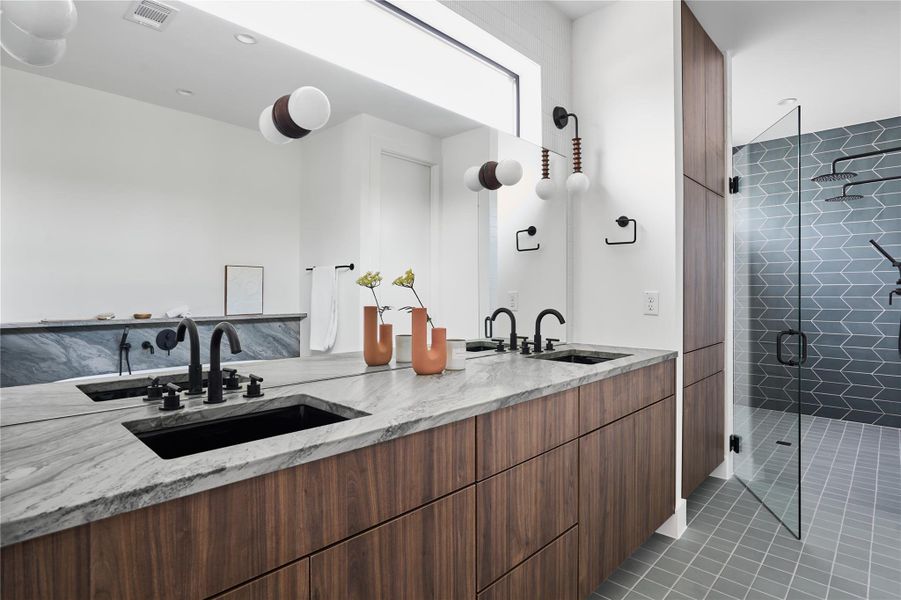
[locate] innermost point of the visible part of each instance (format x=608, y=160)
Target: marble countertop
x=64, y=472
x=87, y=323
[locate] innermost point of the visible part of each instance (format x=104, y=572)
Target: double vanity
x=516, y=477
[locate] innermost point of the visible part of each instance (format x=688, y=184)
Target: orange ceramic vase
x=428, y=361
x=377, y=339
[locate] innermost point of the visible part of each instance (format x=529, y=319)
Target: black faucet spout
x=541, y=315
x=214, y=383
x=195, y=369
x=509, y=313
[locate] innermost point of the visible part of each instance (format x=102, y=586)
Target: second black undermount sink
x=581, y=357
x=195, y=434
x=480, y=346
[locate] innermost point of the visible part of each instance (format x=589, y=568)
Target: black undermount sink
x=134, y=388
x=204, y=434
x=480, y=346
x=581, y=357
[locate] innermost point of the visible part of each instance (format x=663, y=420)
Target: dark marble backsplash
x=45, y=353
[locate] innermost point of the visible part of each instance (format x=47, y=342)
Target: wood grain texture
x=51, y=567
x=703, y=431
x=203, y=544
x=517, y=433
x=716, y=265
x=605, y=401
x=522, y=509
x=695, y=274
x=715, y=117
x=700, y=364
x=552, y=574
x=288, y=583
x=626, y=489
x=694, y=112
x=426, y=554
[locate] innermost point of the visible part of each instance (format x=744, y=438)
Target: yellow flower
x=406, y=280
x=370, y=279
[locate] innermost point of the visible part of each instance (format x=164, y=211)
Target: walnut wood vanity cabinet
x=704, y=251
x=523, y=502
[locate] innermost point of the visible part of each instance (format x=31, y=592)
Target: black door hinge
x=734, y=443
x=733, y=184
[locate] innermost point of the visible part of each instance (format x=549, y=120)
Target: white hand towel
x=324, y=309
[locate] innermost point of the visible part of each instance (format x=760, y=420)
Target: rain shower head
x=841, y=176
x=844, y=197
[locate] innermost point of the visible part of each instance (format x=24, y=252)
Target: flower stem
x=377, y=307
x=423, y=306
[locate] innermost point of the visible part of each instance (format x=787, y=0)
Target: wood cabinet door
x=695, y=273
x=703, y=430
x=552, y=574
x=694, y=108
x=626, y=489
x=715, y=117
x=51, y=567
x=426, y=554
x=288, y=583
x=605, y=401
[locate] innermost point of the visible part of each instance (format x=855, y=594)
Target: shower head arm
x=877, y=180
x=864, y=155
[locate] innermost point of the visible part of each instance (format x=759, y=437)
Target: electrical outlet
x=651, y=303
x=513, y=300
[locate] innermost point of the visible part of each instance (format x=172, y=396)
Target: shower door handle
x=791, y=362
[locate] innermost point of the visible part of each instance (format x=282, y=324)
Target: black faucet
x=124, y=348
x=509, y=313
x=214, y=383
x=541, y=315
x=195, y=369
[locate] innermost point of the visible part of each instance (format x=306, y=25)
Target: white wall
x=627, y=93
x=110, y=204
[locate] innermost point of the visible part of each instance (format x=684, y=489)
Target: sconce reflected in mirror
x=492, y=175
x=292, y=117
x=34, y=31
x=545, y=187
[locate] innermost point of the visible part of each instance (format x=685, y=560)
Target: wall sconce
x=545, y=188
x=292, y=117
x=492, y=175
x=34, y=31
x=578, y=182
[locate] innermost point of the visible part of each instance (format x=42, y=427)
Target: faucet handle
x=253, y=388
x=154, y=390
x=525, y=346
x=172, y=400
x=232, y=382
x=549, y=343
x=500, y=344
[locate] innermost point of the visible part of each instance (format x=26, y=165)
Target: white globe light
x=27, y=48
x=545, y=189
x=267, y=128
x=577, y=183
x=471, y=179
x=45, y=19
x=508, y=172
x=309, y=107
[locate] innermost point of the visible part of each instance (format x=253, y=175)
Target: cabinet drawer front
x=54, y=566
x=524, y=508
x=209, y=542
x=517, y=433
x=291, y=582
x=426, y=554
x=702, y=363
x=703, y=431
x=610, y=399
x=550, y=574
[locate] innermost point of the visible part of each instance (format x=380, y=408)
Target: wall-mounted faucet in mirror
x=148, y=181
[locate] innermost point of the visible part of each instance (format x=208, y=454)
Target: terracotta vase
x=428, y=361
x=377, y=339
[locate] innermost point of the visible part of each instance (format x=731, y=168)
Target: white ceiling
x=575, y=9
x=232, y=82
x=840, y=59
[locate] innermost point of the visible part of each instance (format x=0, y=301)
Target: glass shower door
x=769, y=346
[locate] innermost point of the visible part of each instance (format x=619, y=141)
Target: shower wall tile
x=853, y=371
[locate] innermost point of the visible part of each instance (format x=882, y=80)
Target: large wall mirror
x=134, y=170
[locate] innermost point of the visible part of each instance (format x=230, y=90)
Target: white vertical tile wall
x=542, y=33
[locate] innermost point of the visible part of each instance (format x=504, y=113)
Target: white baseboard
x=724, y=471
x=676, y=525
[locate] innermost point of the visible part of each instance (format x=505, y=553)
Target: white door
x=406, y=223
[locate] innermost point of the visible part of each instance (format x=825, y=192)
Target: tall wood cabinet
x=704, y=252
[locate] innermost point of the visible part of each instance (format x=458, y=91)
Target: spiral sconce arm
x=577, y=182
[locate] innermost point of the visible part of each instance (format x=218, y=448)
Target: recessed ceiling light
x=184, y=92
x=788, y=102
x=245, y=38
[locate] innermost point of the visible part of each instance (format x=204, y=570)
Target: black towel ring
x=624, y=222
x=531, y=230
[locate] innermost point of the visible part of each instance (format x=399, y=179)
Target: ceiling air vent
x=148, y=13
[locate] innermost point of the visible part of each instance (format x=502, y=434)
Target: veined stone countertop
x=64, y=472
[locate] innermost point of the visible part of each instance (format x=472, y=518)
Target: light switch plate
x=651, y=303
x=513, y=300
